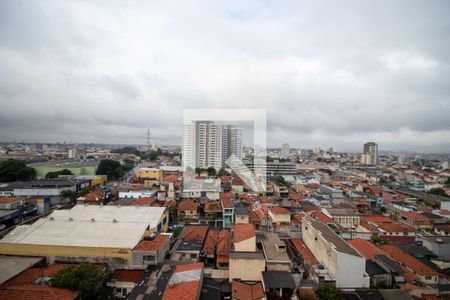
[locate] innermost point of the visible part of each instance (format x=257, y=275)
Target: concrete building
x=439, y=245
x=344, y=264
x=87, y=233
x=244, y=238
x=336, y=195
x=285, y=149
x=345, y=217
x=206, y=144
x=275, y=253
x=274, y=168
x=246, y=266
x=370, y=154
x=150, y=176
x=151, y=252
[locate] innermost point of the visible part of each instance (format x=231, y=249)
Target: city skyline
x=328, y=75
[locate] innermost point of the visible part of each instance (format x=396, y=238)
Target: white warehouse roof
x=89, y=226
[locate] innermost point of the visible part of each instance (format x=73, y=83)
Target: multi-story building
x=285, y=149
x=343, y=263
x=206, y=144
x=370, y=154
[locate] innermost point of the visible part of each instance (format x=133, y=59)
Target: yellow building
x=150, y=175
x=246, y=266
x=279, y=215
x=90, y=233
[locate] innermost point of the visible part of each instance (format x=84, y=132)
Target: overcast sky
x=333, y=73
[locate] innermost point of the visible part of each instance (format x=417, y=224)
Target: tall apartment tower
x=206, y=144
x=285, y=149
x=370, y=154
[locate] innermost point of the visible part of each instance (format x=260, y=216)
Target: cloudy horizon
x=329, y=74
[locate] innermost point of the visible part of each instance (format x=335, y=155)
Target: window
x=427, y=277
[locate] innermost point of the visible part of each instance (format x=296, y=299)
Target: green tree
x=85, y=277
x=223, y=172
x=68, y=194
x=16, y=170
x=57, y=173
x=379, y=240
x=128, y=164
x=198, y=171
x=329, y=292
x=211, y=171
x=280, y=179
x=111, y=168
x=439, y=192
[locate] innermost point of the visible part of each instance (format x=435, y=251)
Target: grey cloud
x=323, y=71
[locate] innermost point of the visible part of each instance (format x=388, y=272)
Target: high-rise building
x=370, y=154
x=206, y=144
x=285, y=149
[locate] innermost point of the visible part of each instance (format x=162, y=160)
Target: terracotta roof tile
x=188, y=204
x=243, y=232
x=144, y=201
x=407, y=260
x=36, y=292
x=247, y=291
x=304, y=251
x=152, y=245
x=366, y=248
x=11, y=199
x=278, y=210
x=127, y=275
x=194, y=232
x=319, y=215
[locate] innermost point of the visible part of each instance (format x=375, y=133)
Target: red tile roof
x=152, y=245
x=376, y=219
x=217, y=242
x=127, y=275
x=95, y=196
x=188, y=267
x=183, y=291
x=213, y=206
x=188, y=204
x=170, y=203
x=247, y=291
x=304, y=251
x=144, y=201
x=11, y=199
x=243, y=232
x=29, y=276
x=366, y=248
x=184, y=287
x=278, y=210
x=36, y=292
x=319, y=215
x=414, y=215
x=396, y=227
x=171, y=178
x=194, y=232
x=410, y=262
x=226, y=203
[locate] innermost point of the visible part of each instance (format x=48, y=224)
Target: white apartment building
x=370, y=154
x=206, y=144
x=336, y=255
x=285, y=149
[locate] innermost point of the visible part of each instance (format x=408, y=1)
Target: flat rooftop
x=71, y=163
x=89, y=226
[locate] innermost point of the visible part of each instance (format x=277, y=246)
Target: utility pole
x=148, y=140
